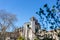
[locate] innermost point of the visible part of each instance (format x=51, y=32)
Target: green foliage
x=20, y=38
x=47, y=39
x=36, y=39
x=50, y=15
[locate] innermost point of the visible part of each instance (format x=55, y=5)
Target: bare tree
x=7, y=21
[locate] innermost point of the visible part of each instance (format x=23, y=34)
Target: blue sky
x=24, y=9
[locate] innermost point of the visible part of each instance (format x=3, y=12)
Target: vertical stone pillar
x=32, y=21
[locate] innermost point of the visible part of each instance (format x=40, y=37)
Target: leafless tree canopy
x=7, y=20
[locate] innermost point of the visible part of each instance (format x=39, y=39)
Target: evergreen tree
x=50, y=16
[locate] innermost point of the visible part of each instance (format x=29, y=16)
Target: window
x=28, y=26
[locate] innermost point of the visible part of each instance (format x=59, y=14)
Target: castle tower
x=30, y=28
x=35, y=26
x=26, y=30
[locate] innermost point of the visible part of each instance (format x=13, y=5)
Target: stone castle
x=32, y=30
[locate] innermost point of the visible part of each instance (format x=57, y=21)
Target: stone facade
x=32, y=30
